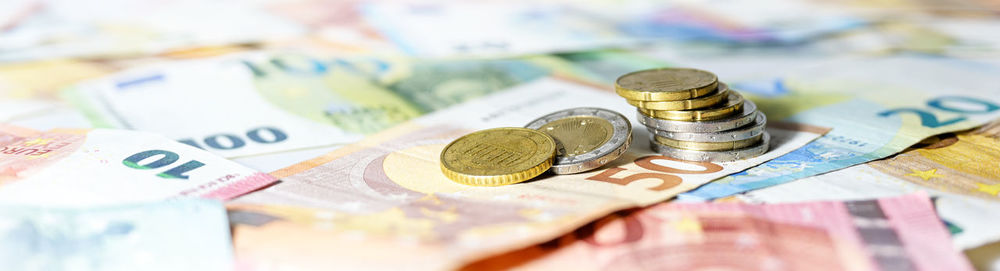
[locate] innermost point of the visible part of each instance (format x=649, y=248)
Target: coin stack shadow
x=692, y=116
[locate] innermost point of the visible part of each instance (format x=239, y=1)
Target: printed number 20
x=928, y=119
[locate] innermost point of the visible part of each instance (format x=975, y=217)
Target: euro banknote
x=387, y=194
x=875, y=112
x=110, y=28
x=253, y=104
x=185, y=234
x=515, y=28
x=957, y=169
x=88, y=167
x=896, y=233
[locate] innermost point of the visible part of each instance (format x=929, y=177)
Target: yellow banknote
x=965, y=163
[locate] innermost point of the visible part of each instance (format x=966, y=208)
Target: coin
x=665, y=84
x=751, y=130
x=710, y=100
x=734, y=103
x=707, y=146
x=498, y=156
x=746, y=116
x=586, y=138
x=713, y=156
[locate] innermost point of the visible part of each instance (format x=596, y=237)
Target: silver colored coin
x=713, y=156
x=589, y=154
x=741, y=133
x=746, y=116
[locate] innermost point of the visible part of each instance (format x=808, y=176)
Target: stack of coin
x=692, y=116
x=563, y=142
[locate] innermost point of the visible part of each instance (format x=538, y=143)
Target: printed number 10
x=166, y=158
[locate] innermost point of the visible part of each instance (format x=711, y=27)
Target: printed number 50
x=667, y=181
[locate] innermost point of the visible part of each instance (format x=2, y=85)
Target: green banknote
x=262, y=103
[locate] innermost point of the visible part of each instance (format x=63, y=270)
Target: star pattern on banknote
x=992, y=189
x=925, y=174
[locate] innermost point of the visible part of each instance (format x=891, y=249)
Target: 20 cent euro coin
x=498, y=156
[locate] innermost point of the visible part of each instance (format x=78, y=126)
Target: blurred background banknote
x=957, y=170
x=79, y=167
x=387, y=193
x=108, y=102
x=896, y=233
x=184, y=234
x=257, y=104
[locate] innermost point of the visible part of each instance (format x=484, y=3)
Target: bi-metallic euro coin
x=713, y=156
x=746, y=116
x=749, y=131
x=587, y=138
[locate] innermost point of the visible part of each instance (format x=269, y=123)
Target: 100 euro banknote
x=387, y=194
x=263, y=103
x=81, y=167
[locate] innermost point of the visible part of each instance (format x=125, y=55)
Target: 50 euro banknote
x=83, y=167
x=387, y=194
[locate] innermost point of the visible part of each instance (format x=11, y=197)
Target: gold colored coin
x=579, y=134
x=665, y=84
x=708, y=146
x=498, y=156
x=696, y=103
x=734, y=104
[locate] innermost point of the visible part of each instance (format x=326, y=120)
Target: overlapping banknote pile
x=432, y=135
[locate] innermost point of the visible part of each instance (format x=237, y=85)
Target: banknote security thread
x=498, y=156
x=666, y=84
x=586, y=137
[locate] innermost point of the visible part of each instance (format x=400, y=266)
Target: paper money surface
x=900, y=233
x=79, y=167
x=115, y=28
x=516, y=28
x=254, y=104
x=186, y=234
x=388, y=193
x=958, y=170
x=890, y=105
